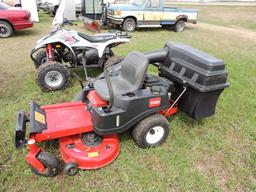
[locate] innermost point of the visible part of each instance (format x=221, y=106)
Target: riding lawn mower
x=124, y=97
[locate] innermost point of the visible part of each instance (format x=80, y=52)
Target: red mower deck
x=73, y=149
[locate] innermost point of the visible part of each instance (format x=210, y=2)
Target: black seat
x=130, y=78
x=97, y=38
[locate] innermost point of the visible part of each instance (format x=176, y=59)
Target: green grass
x=228, y=16
x=215, y=154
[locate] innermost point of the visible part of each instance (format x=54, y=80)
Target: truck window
x=3, y=6
x=153, y=3
x=138, y=2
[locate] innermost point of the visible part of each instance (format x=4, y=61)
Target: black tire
x=112, y=61
x=70, y=169
x=52, y=76
x=6, y=29
x=129, y=24
x=52, y=165
x=145, y=130
x=179, y=26
x=40, y=58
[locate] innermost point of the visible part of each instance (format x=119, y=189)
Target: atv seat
x=130, y=78
x=97, y=38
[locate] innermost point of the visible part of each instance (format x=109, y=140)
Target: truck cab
x=149, y=13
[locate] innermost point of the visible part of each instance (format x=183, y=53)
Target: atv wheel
x=112, y=61
x=129, y=25
x=51, y=163
x=151, y=131
x=52, y=76
x=6, y=29
x=179, y=26
x=70, y=169
x=40, y=58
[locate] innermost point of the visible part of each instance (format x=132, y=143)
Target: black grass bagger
x=125, y=97
x=205, y=78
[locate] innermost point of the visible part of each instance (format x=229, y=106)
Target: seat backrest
x=134, y=68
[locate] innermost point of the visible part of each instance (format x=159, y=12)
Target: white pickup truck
x=149, y=13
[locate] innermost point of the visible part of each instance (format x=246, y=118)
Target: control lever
x=110, y=89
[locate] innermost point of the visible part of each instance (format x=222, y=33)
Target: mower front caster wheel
x=151, y=131
x=51, y=163
x=70, y=169
x=52, y=76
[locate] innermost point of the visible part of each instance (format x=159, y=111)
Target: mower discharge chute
x=123, y=97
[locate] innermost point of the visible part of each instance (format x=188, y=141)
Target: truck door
x=152, y=12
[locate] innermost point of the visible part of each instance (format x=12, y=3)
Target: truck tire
x=179, y=26
x=129, y=25
x=151, y=131
x=6, y=29
x=52, y=76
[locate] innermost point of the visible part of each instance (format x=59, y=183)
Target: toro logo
x=154, y=102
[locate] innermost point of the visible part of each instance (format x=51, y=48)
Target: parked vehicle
x=13, y=19
x=12, y=3
x=149, y=13
x=51, y=6
x=129, y=99
x=63, y=49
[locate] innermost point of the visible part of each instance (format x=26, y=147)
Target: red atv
x=124, y=97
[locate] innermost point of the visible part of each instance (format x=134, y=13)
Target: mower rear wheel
x=52, y=165
x=113, y=61
x=70, y=169
x=52, y=76
x=151, y=131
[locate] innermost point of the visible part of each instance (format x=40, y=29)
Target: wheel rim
x=4, y=31
x=155, y=134
x=181, y=26
x=130, y=26
x=53, y=78
x=72, y=170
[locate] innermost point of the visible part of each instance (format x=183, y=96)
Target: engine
x=91, y=56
